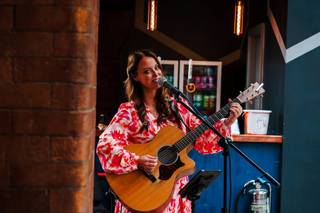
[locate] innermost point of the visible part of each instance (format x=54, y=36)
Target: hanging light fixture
x=152, y=15
x=238, y=18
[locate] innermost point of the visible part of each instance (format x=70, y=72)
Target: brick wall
x=48, y=56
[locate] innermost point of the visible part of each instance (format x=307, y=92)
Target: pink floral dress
x=124, y=129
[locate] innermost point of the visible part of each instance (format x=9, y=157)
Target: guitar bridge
x=148, y=175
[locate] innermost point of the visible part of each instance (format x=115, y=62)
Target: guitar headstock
x=251, y=92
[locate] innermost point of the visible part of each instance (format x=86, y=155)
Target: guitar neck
x=191, y=136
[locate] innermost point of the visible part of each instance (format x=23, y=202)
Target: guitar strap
x=175, y=109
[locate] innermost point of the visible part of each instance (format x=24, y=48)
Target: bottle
x=210, y=82
x=204, y=80
x=200, y=101
x=212, y=101
x=195, y=100
x=209, y=78
x=205, y=102
x=197, y=81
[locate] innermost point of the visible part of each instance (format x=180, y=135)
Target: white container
x=235, y=130
x=256, y=121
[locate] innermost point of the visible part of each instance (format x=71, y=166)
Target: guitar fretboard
x=191, y=136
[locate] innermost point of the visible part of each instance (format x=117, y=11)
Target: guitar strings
x=191, y=136
x=212, y=119
x=181, y=144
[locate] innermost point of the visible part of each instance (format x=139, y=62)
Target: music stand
x=198, y=183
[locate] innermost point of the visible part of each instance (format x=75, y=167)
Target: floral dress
x=124, y=129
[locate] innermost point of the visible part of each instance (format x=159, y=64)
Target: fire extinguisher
x=259, y=192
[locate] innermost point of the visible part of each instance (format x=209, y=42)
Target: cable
x=241, y=192
x=270, y=197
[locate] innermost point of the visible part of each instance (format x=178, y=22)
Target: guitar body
x=140, y=194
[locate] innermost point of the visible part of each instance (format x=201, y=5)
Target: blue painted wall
x=267, y=155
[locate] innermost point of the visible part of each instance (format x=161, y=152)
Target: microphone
x=164, y=82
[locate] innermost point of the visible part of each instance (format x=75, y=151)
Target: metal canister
x=260, y=200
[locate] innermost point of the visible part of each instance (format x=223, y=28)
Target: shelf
x=257, y=138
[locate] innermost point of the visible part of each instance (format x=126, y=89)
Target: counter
x=257, y=138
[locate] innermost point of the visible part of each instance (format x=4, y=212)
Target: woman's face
x=148, y=72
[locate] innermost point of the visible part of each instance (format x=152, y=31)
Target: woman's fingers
x=236, y=109
x=148, y=162
x=235, y=112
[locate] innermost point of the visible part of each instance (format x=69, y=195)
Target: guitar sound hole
x=167, y=155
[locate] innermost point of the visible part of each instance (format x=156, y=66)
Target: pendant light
x=238, y=18
x=152, y=15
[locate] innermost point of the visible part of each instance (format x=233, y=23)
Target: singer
x=149, y=108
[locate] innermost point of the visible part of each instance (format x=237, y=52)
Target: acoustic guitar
x=141, y=191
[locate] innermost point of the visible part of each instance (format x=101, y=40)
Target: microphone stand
x=225, y=143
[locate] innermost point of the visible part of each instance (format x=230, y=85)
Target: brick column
x=48, y=54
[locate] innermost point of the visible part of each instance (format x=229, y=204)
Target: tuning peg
x=259, y=87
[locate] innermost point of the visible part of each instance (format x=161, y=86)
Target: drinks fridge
x=199, y=80
x=171, y=71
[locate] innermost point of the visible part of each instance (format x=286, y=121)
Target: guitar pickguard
x=166, y=171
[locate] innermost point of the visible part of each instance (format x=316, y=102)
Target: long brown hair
x=134, y=91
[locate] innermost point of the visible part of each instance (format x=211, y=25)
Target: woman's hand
x=148, y=162
x=235, y=112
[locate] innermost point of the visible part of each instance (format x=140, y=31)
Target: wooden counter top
x=257, y=138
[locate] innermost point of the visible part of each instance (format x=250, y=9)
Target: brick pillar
x=48, y=54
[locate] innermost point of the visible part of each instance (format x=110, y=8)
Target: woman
x=140, y=119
